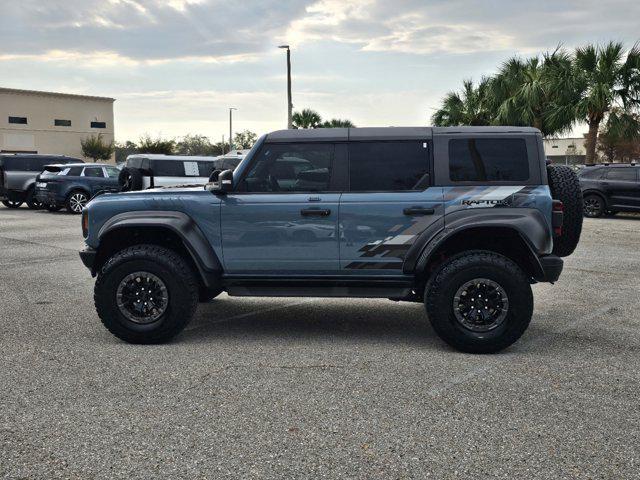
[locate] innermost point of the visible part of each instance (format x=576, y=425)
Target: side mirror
x=222, y=183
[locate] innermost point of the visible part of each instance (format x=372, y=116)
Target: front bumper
x=551, y=267
x=88, y=257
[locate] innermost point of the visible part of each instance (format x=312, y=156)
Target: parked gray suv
x=463, y=219
x=18, y=172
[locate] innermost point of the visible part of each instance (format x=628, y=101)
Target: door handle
x=320, y=212
x=419, y=211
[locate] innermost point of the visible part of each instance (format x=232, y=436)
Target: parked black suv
x=18, y=173
x=608, y=189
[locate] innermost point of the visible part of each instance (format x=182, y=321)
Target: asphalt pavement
x=315, y=388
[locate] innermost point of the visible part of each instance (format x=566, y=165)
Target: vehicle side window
x=37, y=164
x=93, y=172
x=488, y=159
x=168, y=168
x=231, y=163
x=133, y=163
x=592, y=174
x=294, y=167
x=388, y=166
x=621, y=173
x=112, y=172
x=205, y=168
x=74, y=172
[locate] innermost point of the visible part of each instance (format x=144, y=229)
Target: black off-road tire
x=565, y=186
x=206, y=295
x=11, y=204
x=452, y=275
x=171, y=268
x=130, y=179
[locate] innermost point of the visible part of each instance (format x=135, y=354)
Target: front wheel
x=479, y=302
x=76, y=201
x=146, y=294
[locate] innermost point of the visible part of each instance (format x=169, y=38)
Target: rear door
x=94, y=179
x=389, y=203
x=621, y=186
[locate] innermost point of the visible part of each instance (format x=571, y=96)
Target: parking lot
x=315, y=388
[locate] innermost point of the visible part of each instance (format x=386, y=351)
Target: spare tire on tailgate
x=130, y=179
x=565, y=187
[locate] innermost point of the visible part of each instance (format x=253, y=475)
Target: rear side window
x=205, y=168
x=93, y=172
x=592, y=173
x=623, y=173
x=388, y=166
x=74, y=172
x=113, y=172
x=488, y=159
x=168, y=168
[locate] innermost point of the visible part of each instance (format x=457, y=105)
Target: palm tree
x=306, y=118
x=609, y=87
x=470, y=107
x=337, y=123
x=538, y=92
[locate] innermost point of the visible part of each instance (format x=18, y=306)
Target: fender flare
x=528, y=223
x=195, y=242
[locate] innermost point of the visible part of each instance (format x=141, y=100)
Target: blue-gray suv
x=463, y=219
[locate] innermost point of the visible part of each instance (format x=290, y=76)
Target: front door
x=388, y=206
x=282, y=217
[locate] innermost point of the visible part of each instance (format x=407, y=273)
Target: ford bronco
x=463, y=219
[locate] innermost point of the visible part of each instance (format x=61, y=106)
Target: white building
x=568, y=151
x=53, y=123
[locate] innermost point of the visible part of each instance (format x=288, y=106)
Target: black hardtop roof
x=385, y=133
x=68, y=165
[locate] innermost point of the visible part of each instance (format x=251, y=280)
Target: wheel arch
x=505, y=240
x=175, y=230
x=598, y=193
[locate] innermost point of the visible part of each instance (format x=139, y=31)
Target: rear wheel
x=146, y=294
x=11, y=204
x=31, y=201
x=593, y=206
x=479, y=302
x=76, y=201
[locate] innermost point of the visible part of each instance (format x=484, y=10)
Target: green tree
x=620, y=139
x=337, y=123
x=609, y=85
x=94, y=147
x=472, y=106
x=123, y=150
x=306, y=118
x=245, y=139
x=540, y=92
x=156, y=145
x=197, y=145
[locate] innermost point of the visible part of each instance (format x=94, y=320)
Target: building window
x=62, y=123
x=20, y=120
x=98, y=124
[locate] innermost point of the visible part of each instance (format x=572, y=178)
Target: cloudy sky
x=175, y=66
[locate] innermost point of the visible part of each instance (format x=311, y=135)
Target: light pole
x=289, y=104
x=231, y=109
